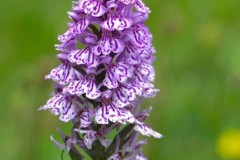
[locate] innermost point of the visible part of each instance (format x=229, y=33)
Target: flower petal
x=140, y=6
x=63, y=74
x=57, y=104
x=125, y=116
x=56, y=143
x=115, y=156
x=92, y=7
x=92, y=92
x=109, y=44
x=146, y=70
x=60, y=104
x=150, y=92
x=105, y=142
x=81, y=25
x=132, y=57
x=102, y=115
x=83, y=56
x=113, y=114
x=86, y=119
x=122, y=71
x=110, y=80
x=120, y=97
x=89, y=138
x=84, y=86
x=77, y=87
x=140, y=36
x=127, y=2
x=140, y=156
x=74, y=30
x=97, y=50
x=141, y=81
x=67, y=36
x=116, y=22
x=124, y=94
x=69, y=113
x=147, y=131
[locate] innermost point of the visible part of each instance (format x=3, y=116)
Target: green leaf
x=89, y=152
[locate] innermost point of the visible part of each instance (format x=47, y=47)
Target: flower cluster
x=100, y=84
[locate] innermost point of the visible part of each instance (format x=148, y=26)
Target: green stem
x=75, y=154
x=100, y=151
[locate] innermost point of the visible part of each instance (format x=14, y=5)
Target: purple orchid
x=100, y=87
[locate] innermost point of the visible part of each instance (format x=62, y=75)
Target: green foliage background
x=197, y=70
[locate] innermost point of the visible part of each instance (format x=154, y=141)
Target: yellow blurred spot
x=228, y=144
x=209, y=34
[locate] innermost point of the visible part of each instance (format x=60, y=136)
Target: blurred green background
x=197, y=70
